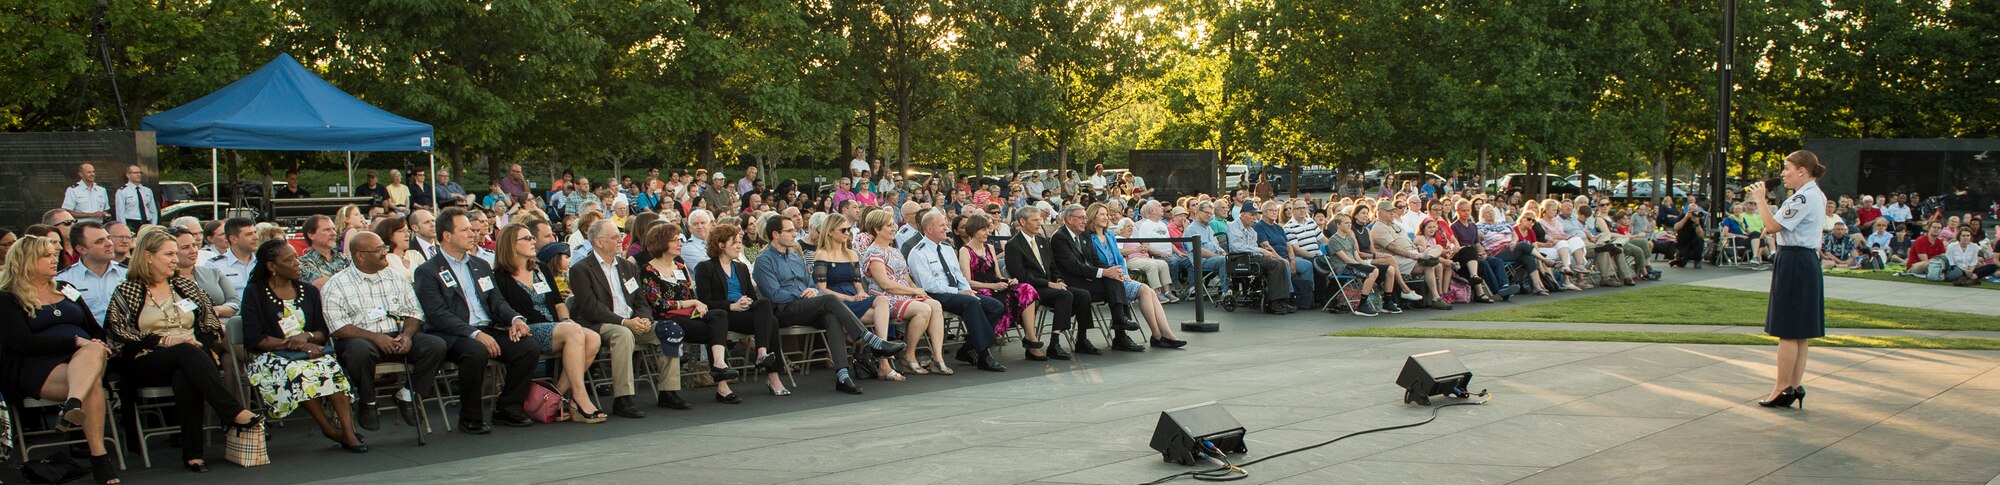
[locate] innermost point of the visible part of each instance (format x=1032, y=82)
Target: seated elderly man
x=1243, y=239
x=1389, y=237
x=1838, y=249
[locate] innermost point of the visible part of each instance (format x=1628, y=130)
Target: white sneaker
x=1412, y=296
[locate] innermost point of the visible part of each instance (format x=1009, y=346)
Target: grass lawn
x=1886, y=276
x=1700, y=305
x=1670, y=337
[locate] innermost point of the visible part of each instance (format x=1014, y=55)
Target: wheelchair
x=1245, y=281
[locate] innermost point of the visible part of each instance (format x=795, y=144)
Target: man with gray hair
x=934, y=266
x=1028, y=259
x=606, y=298
x=694, y=244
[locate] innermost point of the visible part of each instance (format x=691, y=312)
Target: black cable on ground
x=1226, y=471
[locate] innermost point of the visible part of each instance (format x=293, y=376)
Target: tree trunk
x=704, y=151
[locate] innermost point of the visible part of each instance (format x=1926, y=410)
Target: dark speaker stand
x=1200, y=323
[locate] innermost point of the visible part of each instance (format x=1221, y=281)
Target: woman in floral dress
x=978, y=258
x=284, y=326
x=889, y=278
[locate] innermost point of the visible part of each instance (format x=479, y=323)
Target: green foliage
x=1604, y=86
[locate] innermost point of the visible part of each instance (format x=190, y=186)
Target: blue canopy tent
x=282, y=106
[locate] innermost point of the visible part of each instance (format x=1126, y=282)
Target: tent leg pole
x=215, y=183
x=350, y=174
x=433, y=172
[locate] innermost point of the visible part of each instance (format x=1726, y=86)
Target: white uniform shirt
x=235, y=270
x=136, y=202
x=929, y=261
x=87, y=197
x=1803, y=218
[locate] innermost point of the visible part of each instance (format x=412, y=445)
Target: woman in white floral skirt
x=284, y=326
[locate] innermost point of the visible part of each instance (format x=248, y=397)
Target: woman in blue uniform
x=1796, y=311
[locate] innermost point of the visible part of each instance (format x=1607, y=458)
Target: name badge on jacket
x=71, y=293
x=485, y=284
x=450, y=280
x=631, y=285
x=185, y=305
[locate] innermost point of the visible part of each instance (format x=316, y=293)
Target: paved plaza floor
x=1563, y=412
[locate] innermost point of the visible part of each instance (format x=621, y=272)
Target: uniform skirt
x=1798, y=296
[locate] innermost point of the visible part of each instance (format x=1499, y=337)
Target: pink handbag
x=544, y=404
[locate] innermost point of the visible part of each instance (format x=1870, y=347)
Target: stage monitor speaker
x=1430, y=374
x=1180, y=435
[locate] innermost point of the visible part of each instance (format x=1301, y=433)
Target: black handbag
x=56, y=468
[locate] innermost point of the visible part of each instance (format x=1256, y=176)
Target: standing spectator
x=94, y=274
x=136, y=205
x=86, y=200
x=748, y=182
x=718, y=196
x=859, y=164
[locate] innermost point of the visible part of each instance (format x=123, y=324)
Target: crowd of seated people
x=250, y=320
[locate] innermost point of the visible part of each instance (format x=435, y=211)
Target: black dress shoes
x=990, y=364
x=408, y=410
x=474, y=427
x=625, y=408
x=1126, y=344
x=964, y=354
x=369, y=417
x=1056, y=352
x=1029, y=347
x=513, y=419
x=1084, y=347
x=672, y=400
x=1167, y=343
x=1128, y=325
x=847, y=386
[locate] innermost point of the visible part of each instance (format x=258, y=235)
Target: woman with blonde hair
x=1097, y=222
x=164, y=333
x=889, y=278
x=347, y=221
x=53, y=349
x=837, y=271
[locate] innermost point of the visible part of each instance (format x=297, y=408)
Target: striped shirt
x=1305, y=235
x=377, y=302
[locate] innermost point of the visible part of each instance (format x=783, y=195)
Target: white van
x=1233, y=176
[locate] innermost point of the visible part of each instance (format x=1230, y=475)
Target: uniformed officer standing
x=87, y=201
x=136, y=205
x=1796, y=312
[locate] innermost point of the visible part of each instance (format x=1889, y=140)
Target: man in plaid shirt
x=375, y=315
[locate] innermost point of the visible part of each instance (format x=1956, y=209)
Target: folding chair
x=807, y=354
x=157, y=402
x=388, y=400
x=112, y=443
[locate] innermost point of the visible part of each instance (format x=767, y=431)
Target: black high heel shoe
x=72, y=415
x=1782, y=400
x=256, y=420
x=728, y=398
x=102, y=469
x=1799, y=392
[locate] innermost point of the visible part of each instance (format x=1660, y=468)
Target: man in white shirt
x=93, y=274
x=748, y=182
x=87, y=201
x=423, y=232
x=694, y=247
x=136, y=205
x=375, y=315
x=235, y=261
x=934, y=267
x=858, y=164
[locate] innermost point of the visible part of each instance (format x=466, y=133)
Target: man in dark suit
x=1080, y=267
x=463, y=307
x=606, y=299
x=1027, y=258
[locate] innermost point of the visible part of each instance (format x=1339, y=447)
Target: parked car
x=1521, y=183
x=173, y=191
x=1596, y=183
x=1643, y=189
x=1233, y=175
x=206, y=211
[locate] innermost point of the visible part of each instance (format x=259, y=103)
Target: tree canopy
x=1572, y=85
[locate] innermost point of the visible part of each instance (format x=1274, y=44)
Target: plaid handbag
x=246, y=446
